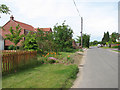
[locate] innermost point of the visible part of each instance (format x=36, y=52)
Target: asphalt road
x=100, y=69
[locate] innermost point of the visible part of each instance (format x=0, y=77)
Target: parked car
x=98, y=45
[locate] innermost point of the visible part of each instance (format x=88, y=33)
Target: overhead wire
x=76, y=8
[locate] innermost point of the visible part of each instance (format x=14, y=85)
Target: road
x=100, y=69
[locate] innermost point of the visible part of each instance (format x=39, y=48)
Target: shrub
x=11, y=47
x=40, y=61
x=74, y=71
x=115, y=47
x=56, y=61
x=51, y=61
x=81, y=50
x=117, y=42
x=68, y=49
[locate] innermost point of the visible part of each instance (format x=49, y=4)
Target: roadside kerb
x=79, y=75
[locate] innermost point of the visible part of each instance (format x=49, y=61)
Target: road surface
x=100, y=69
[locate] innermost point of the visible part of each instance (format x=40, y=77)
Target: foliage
x=11, y=47
x=95, y=42
x=4, y=9
x=51, y=61
x=85, y=40
x=45, y=41
x=114, y=36
x=14, y=35
x=30, y=42
x=63, y=36
x=105, y=38
x=117, y=42
x=110, y=38
x=115, y=47
x=67, y=49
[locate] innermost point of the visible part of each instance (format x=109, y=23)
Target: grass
x=44, y=76
x=63, y=54
x=116, y=50
x=105, y=47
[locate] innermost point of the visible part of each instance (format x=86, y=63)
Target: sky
x=99, y=16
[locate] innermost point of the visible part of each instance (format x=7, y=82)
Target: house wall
x=1, y=44
x=7, y=26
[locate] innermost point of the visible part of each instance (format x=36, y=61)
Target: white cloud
x=98, y=17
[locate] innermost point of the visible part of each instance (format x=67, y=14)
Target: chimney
x=11, y=18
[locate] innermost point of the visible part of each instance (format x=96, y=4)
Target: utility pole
x=81, y=30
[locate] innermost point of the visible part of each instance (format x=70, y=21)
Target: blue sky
x=99, y=15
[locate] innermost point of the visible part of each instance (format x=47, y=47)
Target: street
x=100, y=69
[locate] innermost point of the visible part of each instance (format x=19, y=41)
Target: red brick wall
x=7, y=26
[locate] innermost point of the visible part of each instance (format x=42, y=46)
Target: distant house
x=44, y=29
x=25, y=29
x=74, y=44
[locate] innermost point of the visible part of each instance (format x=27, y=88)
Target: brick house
x=25, y=29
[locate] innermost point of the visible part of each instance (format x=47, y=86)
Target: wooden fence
x=12, y=59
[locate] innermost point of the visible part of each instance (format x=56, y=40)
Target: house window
x=26, y=32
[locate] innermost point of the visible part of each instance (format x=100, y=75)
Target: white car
x=98, y=45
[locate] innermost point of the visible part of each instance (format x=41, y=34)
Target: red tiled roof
x=25, y=26
x=44, y=29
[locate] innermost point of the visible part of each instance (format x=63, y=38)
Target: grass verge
x=116, y=50
x=44, y=76
x=105, y=47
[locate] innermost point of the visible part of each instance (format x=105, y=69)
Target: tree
x=4, y=9
x=85, y=40
x=63, y=36
x=114, y=36
x=105, y=38
x=45, y=41
x=14, y=35
x=30, y=42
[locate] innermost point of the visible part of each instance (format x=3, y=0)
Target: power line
x=76, y=8
x=81, y=22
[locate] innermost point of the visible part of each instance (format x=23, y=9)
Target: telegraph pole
x=81, y=30
x=81, y=21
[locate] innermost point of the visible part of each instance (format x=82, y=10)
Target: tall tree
x=105, y=38
x=85, y=40
x=114, y=36
x=63, y=36
x=14, y=35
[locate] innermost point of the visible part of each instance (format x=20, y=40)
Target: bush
x=68, y=49
x=117, y=43
x=115, y=47
x=11, y=47
x=74, y=72
x=51, y=61
x=40, y=61
x=56, y=61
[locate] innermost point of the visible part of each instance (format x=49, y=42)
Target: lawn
x=44, y=76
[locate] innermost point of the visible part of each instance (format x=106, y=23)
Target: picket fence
x=12, y=59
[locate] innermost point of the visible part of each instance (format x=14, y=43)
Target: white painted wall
x=1, y=44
